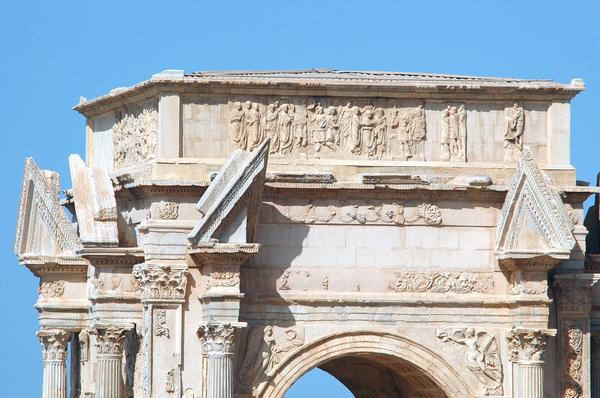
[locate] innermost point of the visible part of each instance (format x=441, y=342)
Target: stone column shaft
x=527, y=349
x=54, y=343
x=218, y=345
x=529, y=379
x=109, y=380
x=220, y=376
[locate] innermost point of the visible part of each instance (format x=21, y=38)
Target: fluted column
x=54, y=344
x=527, y=348
x=596, y=366
x=218, y=344
x=109, y=346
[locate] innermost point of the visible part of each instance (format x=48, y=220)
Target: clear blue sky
x=51, y=52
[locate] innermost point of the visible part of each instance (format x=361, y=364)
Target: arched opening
x=317, y=383
x=372, y=365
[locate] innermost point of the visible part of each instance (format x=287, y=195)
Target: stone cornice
x=113, y=255
x=381, y=84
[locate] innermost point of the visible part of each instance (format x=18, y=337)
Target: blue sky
x=52, y=52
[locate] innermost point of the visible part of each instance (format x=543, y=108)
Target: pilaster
x=163, y=294
x=595, y=382
x=54, y=345
x=527, y=349
x=574, y=301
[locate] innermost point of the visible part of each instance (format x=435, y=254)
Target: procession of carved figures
x=366, y=131
x=369, y=131
x=135, y=135
x=482, y=355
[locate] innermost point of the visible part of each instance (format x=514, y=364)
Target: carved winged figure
x=482, y=356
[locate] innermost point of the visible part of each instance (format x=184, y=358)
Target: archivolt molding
x=453, y=382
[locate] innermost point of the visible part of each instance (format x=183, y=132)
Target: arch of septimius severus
x=413, y=235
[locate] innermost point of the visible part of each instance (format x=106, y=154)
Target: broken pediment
x=230, y=205
x=43, y=228
x=95, y=204
x=533, y=222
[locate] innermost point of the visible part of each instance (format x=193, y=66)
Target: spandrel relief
x=311, y=128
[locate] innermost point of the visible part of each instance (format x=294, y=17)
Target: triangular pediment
x=43, y=228
x=533, y=222
x=230, y=205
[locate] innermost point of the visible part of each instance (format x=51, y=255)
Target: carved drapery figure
x=252, y=126
x=135, y=135
x=270, y=127
x=462, y=131
x=417, y=131
x=284, y=126
x=236, y=125
x=367, y=128
x=300, y=130
x=482, y=356
x=381, y=132
x=321, y=127
x=352, y=131
x=513, y=131
x=400, y=123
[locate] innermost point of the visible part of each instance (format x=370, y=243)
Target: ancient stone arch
x=450, y=380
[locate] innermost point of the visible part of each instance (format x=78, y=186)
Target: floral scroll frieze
x=161, y=323
x=52, y=289
x=573, y=360
x=386, y=213
x=168, y=210
x=442, y=282
x=482, y=355
x=225, y=277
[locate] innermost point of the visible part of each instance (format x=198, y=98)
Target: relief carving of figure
x=284, y=127
x=445, y=133
x=482, y=356
x=462, y=131
x=270, y=127
x=333, y=132
x=367, y=128
x=236, y=125
x=320, y=123
x=352, y=131
x=381, y=132
x=400, y=123
x=417, y=131
x=252, y=126
x=300, y=134
x=513, y=131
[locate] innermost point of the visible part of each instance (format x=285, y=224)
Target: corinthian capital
x=109, y=340
x=54, y=344
x=526, y=344
x=160, y=283
x=217, y=338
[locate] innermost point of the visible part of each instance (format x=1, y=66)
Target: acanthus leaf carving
x=160, y=283
x=109, y=340
x=442, y=282
x=482, y=356
x=217, y=338
x=168, y=210
x=573, y=360
x=526, y=344
x=54, y=344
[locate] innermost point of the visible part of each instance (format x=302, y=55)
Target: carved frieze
x=482, y=355
x=161, y=323
x=520, y=285
x=526, y=344
x=170, y=381
x=168, y=210
x=135, y=134
x=52, y=289
x=359, y=131
x=442, y=282
x=317, y=212
x=224, y=277
x=161, y=283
